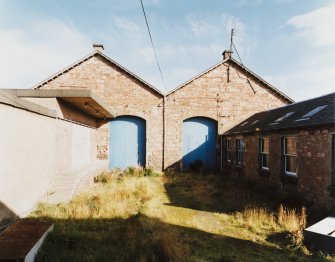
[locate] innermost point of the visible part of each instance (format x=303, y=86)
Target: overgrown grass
x=135, y=215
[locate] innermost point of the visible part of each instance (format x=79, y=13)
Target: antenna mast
x=230, y=51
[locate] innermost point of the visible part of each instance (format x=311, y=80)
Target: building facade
x=291, y=147
x=173, y=130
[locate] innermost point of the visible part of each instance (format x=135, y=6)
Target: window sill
x=331, y=190
x=289, y=178
x=263, y=172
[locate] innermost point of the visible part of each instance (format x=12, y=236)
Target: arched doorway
x=199, y=141
x=127, y=143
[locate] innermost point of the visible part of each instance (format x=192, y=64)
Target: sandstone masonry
x=208, y=95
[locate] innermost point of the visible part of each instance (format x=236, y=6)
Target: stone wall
x=125, y=95
x=313, y=179
x=210, y=95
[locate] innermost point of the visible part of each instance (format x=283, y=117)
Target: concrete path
x=67, y=181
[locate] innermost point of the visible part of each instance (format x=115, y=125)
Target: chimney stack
x=227, y=54
x=98, y=47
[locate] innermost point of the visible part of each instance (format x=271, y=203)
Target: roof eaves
x=130, y=73
x=12, y=100
x=195, y=77
x=96, y=52
x=241, y=66
x=43, y=82
x=290, y=100
x=277, y=129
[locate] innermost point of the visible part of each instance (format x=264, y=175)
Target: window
x=284, y=116
x=314, y=111
x=239, y=151
x=290, y=156
x=311, y=113
x=254, y=122
x=264, y=146
x=333, y=161
x=228, y=150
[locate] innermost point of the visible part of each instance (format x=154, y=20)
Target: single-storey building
x=44, y=133
x=173, y=130
x=291, y=147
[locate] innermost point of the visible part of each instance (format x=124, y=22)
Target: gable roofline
x=236, y=63
x=82, y=60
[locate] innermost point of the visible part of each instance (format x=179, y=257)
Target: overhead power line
x=152, y=44
x=238, y=55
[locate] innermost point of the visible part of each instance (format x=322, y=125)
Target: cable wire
x=246, y=72
x=152, y=43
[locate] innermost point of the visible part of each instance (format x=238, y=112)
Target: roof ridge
x=296, y=103
x=239, y=64
x=195, y=77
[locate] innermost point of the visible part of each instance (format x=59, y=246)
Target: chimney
x=98, y=47
x=227, y=54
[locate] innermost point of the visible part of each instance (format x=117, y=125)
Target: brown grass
x=129, y=216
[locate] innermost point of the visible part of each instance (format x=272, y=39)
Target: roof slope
x=95, y=53
x=233, y=62
x=291, y=116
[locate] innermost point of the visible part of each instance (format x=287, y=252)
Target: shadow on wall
x=199, y=140
x=7, y=216
x=141, y=238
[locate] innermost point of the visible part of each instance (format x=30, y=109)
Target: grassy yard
x=173, y=217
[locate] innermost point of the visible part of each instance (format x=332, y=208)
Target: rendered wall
x=33, y=148
x=27, y=158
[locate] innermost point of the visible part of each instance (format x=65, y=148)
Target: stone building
x=291, y=147
x=161, y=131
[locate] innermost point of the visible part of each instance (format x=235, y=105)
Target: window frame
x=332, y=159
x=228, y=150
x=262, y=153
x=285, y=156
x=239, y=146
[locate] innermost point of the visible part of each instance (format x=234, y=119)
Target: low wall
x=33, y=148
x=27, y=158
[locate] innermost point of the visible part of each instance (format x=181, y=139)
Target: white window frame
x=289, y=173
x=239, y=151
x=262, y=153
x=228, y=150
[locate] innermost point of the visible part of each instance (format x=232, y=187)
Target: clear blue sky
x=290, y=43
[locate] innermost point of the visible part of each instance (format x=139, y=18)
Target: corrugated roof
x=96, y=52
x=233, y=62
x=312, y=112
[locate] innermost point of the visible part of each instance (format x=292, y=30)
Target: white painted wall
x=81, y=145
x=27, y=157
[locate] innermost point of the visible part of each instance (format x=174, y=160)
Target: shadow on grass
x=213, y=193
x=141, y=238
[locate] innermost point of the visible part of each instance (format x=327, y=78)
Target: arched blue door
x=127, y=142
x=199, y=141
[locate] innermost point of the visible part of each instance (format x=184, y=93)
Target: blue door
x=199, y=141
x=127, y=142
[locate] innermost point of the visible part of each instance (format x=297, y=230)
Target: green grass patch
x=138, y=215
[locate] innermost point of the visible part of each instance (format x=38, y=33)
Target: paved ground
x=22, y=239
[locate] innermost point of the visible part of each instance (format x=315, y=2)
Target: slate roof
x=290, y=116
